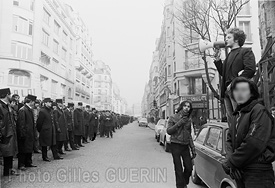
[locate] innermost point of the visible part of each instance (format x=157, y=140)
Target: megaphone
x=205, y=44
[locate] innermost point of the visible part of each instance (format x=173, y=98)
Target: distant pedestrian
x=78, y=124
x=179, y=127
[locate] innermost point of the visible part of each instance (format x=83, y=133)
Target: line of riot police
x=35, y=125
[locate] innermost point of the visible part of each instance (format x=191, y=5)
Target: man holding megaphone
x=239, y=62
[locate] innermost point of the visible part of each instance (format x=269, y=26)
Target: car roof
x=223, y=125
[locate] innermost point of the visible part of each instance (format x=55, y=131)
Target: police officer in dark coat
x=8, y=137
x=78, y=124
x=87, y=118
x=108, y=121
x=26, y=133
x=47, y=130
x=93, y=125
x=69, y=117
x=60, y=123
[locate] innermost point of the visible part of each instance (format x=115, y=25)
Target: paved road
x=132, y=159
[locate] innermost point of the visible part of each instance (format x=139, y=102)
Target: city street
x=132, y=159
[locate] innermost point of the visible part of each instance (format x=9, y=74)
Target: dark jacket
x=25, y=130
x=93, y=123
x=180, y=130
x=8, y=137
x=108, y=119
x=45, y=127
x=252, y=143
x=87, y=117
x=78, y=122
x=69, y=118
x=244, y=59
x=60, y=123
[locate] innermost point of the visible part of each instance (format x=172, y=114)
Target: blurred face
x=36, y=105
x=13, y=103
x=242, y=92
x=186, y=107
x=60, y=105
x=9, y=98
x=48, y=104
x=230, y=40
x=32, y=103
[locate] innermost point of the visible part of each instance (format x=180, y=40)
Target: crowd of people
x=36, y=126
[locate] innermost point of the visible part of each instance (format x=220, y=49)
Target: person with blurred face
x=87, y=118
x=179, y=127
x=36, y=110
x=239, y=62
x=69, y=117
x=250, y=144
x=26, y=133
x=8, y=136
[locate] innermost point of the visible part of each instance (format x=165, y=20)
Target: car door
x=199, y=144
x=210, y=157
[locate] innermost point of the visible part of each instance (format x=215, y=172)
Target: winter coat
x=60, y=123
x=78, y=122
x=251, y=137
x=8, y=137
x=46, y=128
x=25, y=130
x=243, y=59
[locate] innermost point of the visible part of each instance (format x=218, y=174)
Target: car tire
x=158, y=138
x=195, y=178
x=166, y=146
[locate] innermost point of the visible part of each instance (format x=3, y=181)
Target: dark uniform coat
x=60, y=123
x=8, y=137
x=46, y=128
x=93, y=123
x=69, y=118
x=78, y=122
x=25, y=130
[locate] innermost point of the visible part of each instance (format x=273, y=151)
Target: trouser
x=8, y=163
x=86, y=135
x=70, y=140
x=181, y=154
x=24, y=159
x=36, y=140
x=77, y=139
x=102, y=130
x=45, y=151
x=60, y=146
x=257, y=178
x=109, y=131
x=230, y=106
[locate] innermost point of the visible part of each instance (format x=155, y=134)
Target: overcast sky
x=123, y=34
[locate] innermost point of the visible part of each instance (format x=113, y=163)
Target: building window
x=71, y=43
x=54, y=86
x=21, y=50
x=45, y=38
x=19, y=78
x=169, y=70
x=56, y=27
x=69, y=92
x=197, y=86
x=55, y=46
x=22, y=25
x=46, y=16
x=168, y=51
x=32, y=5
x=175, y=67
x=64, y=36
x=55, y=65
x=45, y=59
x=63, y=53
x=245, y=26
x=15, y=2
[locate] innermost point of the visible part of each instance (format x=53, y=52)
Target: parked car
x=159, y=126
x=164, y=138
x=210, y=148
x=143, y=122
